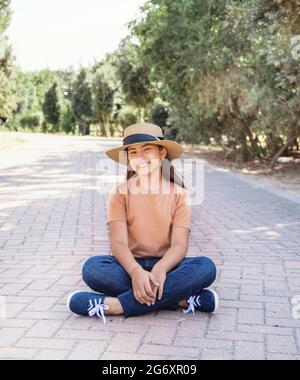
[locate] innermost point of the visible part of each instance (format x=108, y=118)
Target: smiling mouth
x=143, y=166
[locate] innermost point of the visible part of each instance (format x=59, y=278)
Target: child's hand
x=160, y=274
x=142, y=283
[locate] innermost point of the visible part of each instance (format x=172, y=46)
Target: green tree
x=159, y=115
x=134, y=77
x=51, y=107
x=30, y=90
x=7, y=99
x=67, y=120
x=81, y=102
x=226, y=70
x=103, y=103
x=128, y=115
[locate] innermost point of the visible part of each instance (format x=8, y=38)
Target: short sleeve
x=183, y=212
x=116, y=209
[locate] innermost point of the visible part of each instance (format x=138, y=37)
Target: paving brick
x=223, y=323
x=52, y=355
x=84, y=335
x=128, y=356
x=11, y=273
x=51, y=293
x=115, y=327
x=298, y=338
x=27, y=323
x=234, y=336
x=40, y=284
x=228, y=294
x=78, y=323
x=202, y=343
x=9, y=336
x=160, y=335
x=210, y=354
x=42, y=304
x=47, y=343
x=283, y=357
x=276, y=285
x=249, y=351
x=252, y=289
x=264, y=330
x=151, y=321
x=14, y=309
x=251, y=316
x=281, y=344
x=278, y=310
x=195, y=329
x=38, y=270
x=168, y=350
x=261, y=300
x=125, y=343
x=274, y=270
x=12, y=289
x=44, y=329
x=282, y=322
x=88, y=351
x=43, y=315
x=16, y=353
x=243, y=304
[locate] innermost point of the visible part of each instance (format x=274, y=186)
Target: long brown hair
x=167, y=169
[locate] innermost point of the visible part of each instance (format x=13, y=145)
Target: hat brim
x=119, y=154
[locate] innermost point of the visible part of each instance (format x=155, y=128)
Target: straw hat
x=144, y=133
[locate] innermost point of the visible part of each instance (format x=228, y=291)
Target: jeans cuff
x=122, y=300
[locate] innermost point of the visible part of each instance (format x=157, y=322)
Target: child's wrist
x=161, y=266
x=133, y=271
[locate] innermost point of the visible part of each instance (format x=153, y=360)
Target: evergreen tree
x=51, y=107
x=103, y=102
x=81, y=102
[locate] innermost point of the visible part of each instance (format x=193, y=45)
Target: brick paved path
x=52, y=219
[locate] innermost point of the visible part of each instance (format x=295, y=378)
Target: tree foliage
x=103, y=103
x=226, y=69
x=7, y=101
x=52, y=107
x=82, y=102
x=208, y=71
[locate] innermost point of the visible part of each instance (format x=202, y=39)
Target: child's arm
x=119, y=246
x=174, y=255
x=142, y=280
x=178, y=249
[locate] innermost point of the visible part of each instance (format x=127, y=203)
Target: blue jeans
x=105, y=275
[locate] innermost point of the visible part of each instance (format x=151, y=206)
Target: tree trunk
x=84, y=128
x=295, y=144
x=290, y=141
x=255, y=143
x=244, y=131
x=106, y=127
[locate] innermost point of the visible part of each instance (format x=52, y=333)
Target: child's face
x=145, y=158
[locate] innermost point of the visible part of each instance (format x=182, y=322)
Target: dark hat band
x=139, y=138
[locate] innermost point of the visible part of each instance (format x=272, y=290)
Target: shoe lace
x=97, y=309
x=193, y=301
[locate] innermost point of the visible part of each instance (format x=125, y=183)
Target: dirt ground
x=286, y=176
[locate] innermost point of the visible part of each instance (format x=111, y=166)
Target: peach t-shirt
x=149, y=217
